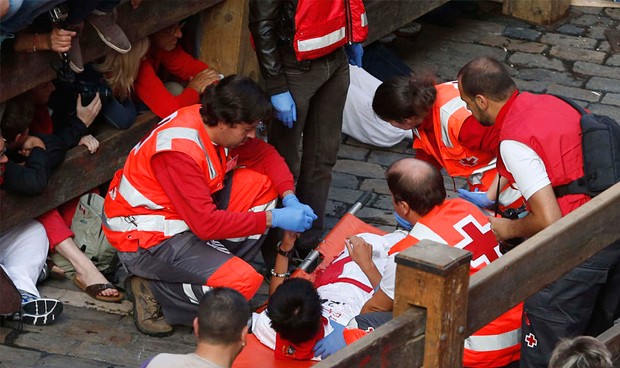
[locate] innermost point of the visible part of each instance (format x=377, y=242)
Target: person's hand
x=359, y=250
x=90, y=142
x=29, y=144
x=501, y=227
x=290, y=218
x=402, y=222
x=476, y=197
x=292, y=201
x=88, y=113
x=135, y=4
x=60, y=39
x=201, y=80
x=330, y=343
x=355, y=51
x=286, y=111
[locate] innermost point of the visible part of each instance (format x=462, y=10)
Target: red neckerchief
x=303, y=351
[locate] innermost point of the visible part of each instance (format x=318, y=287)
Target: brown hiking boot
x=146, y=310
x=109, y=32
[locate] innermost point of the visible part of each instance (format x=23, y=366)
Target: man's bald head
x=417, y=183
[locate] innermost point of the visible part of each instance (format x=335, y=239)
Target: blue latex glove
x=355, y=51
x=476, y=197
x=402, y=222
x=291, y=200
x=291, y=219
x=332, y=342
x=286, y=111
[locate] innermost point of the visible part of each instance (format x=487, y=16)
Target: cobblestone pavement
x=571, y=58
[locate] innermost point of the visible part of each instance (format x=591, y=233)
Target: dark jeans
x=584, y=301
x=319, y=93
x=383, y=63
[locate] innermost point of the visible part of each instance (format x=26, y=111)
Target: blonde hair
x=120, y=70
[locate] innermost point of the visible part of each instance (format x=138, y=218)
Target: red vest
x=551, y=128
x=460, y=224
x=323, y=26
x=137, y=212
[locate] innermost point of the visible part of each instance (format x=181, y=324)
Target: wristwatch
x=282, y=252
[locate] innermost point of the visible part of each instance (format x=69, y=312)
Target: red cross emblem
x=469, y=161
x=531, y=341
x=478, y=239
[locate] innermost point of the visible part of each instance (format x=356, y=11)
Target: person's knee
x=239, y=275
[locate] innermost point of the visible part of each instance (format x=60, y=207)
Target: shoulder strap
x=571, y=102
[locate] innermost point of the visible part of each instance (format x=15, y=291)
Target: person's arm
x=30, y=178
x=58, y=40
x=180, y=63
x=191, y=197
x=281, y=265
x=531, y=176
x=476, y=136
x=361, y=253
x=151, y=90
x=263, y=157
x=379, y=302
x=263, y=22
x=421, y=154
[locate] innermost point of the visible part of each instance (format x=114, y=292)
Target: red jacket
x=151, y=90
x=322, y=28
x=551, y=128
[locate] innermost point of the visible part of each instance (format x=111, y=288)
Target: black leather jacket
x=272, y=23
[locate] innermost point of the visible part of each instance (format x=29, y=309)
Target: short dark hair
x=295, y=310
x=580, y=352
x=488, y=77
x=404, y=97
x=17, y=116
x=235, y=99
x=417, y=183
x=222, y=315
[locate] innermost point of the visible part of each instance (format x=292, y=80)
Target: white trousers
x=23, y=251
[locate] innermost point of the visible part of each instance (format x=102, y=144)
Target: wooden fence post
x=436, y=277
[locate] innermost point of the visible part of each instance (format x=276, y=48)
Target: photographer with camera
x=540, y=146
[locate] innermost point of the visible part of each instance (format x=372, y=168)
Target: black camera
x=507, y=245
x=88, y=91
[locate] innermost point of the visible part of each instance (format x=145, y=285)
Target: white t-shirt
x=526, y=167
x=181, y=361
x=359, y=119
x=342, y=301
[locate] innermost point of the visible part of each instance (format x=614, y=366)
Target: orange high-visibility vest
x=460, y=224
x=137, y=212
x=448, y=114
x=324, y=26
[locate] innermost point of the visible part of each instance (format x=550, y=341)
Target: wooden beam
x=80, y=172
x=225, y=39
x=386, y=16
x=23, y=71
x=543, y=12
x=400, y=340
x=435, y=277
x=611, y=339
x=543, y=258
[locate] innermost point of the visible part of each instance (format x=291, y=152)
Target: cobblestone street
x=571, y=58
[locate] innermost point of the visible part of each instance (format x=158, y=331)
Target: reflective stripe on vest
x=445, y=113
x=133, y=196
x=166, y=136
x=421, y=231
x=493, y=342
x=156, y=223
x=321, y=42
x=364, y=20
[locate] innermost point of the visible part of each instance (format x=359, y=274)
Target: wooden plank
x=386, y=16
x=543, y=12
x=23, y=71
x=225, y=39
x=435, y=277
x=543, y=258
x=611, y=339
x=80, y=172
x=400, y=340
x=595, y=3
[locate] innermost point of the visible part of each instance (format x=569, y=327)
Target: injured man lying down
x=299, y=314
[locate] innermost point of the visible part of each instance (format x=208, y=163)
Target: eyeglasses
x=172, y=30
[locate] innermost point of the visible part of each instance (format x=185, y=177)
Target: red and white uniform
x=344, y=299
x=460, y=224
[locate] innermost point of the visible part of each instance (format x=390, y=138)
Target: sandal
x=95, y=290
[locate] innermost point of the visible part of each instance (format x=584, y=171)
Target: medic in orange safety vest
x=445, y=133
